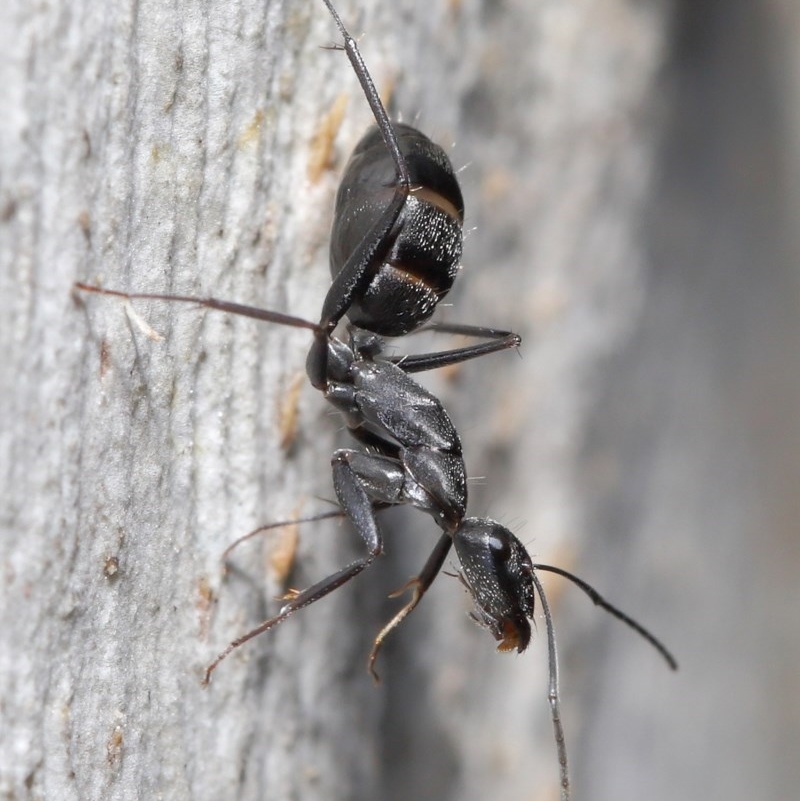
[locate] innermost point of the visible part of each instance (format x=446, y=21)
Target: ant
x=396, y=246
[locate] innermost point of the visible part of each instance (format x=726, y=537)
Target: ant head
x=498, y=572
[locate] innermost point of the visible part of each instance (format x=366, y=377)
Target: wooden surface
x=630, y=174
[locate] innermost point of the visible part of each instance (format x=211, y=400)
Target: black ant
x=395, y=252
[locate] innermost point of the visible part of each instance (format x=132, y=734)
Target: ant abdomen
x=417, y=264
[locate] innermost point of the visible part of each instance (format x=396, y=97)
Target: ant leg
x=264, y=315
x=419, y=585
x=354, y=276
x=497, y=341
x=358, y=478
x=373, y=98
x=279, y=524
x=356, y=504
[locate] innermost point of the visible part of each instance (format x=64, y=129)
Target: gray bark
x=628, y=224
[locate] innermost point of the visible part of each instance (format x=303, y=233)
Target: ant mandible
x=395, y=252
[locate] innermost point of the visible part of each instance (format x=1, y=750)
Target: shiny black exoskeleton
x=415, y=265
x=499, y=573
x=412, y=456
x=395, y=251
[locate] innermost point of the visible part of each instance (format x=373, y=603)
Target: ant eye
x=500, y=546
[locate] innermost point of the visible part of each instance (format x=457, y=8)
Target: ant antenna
x=553, y=692
x=598, y=600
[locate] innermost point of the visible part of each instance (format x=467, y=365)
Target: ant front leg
x=419, y=586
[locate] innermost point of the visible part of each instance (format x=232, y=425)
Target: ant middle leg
x=363, y=483
x=497, y=340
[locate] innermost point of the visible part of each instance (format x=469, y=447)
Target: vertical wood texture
x=628, y=179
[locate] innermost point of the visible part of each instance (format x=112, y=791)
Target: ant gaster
x=395, y=252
